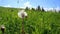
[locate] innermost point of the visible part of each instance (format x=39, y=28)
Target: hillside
x=38, y=22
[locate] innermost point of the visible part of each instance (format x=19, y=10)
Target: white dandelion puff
x=2, y=26
x=22, y=14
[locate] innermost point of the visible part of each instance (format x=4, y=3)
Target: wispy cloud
x=27, y=4
x=48, y=9
x=7, y=6
x=57, y=9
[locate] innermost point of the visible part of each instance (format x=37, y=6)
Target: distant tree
x=59, y=11
x=26, y=8
x=38, y=8
x=32, y=9
x=43, y=9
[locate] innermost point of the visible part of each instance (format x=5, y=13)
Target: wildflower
x=2, y=28
x=22, y=14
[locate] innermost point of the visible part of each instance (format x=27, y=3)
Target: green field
x=38, y=22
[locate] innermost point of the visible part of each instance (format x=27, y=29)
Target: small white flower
x=22, y=14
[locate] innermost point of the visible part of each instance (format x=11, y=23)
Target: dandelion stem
x=23, y=26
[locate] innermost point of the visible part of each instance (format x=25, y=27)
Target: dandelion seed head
x=2, y=26
x=22, y=14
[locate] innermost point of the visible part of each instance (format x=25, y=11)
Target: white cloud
x=57, y=8
x=7, y=6
x=27, y=4
x=45, y=9
x=48, y=9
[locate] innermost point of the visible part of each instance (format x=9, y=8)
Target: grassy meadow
x=37, y=22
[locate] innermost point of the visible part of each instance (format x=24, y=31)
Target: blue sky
x=31, y=3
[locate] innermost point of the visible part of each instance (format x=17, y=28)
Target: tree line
x=37, y=9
